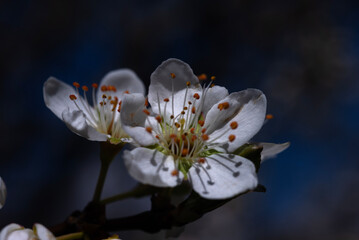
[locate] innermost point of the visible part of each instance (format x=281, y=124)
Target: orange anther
x=193, y=110
x=192, y=130
x=185, y=108
x=213, y=78
x=177, y=124
x=234, y=125
x=174, y=173
x=73, y=97
x=173, y=136
x=194, y=137
x=205, y=137
x=113, y=88
x=172, y=117
x=146, y=102
x=104, y=96
x=203, y=130
x=231, y=138
x=85, y=88
x=212, y=85
x=188, y=83
x=220, y=106
x=166, y=100
x=126, y=92
x=146, y=111
x=269, y=116
x=103, y=88
x=76, y=84
x=173, y=75
x=202, y=77
x=158, y=118
x=184, y=152
x=158, y=137
x=225, y=105
x=94, y=85
x=183, y=136
x=202, y=160
x=183, y=112
x=149, y=129
x=189, y=102
x=196, y=96
x=201, y=123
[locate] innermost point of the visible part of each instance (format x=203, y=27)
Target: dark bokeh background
x=302, y=54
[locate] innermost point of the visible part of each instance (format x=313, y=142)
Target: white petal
x=7, y=230
x=2, y=193
x=57, y=96
x=43, y=233
x=223, y=176
x=24, y=234
x=133, y=119
x=76, y=122
x=247, y=108
x=123, y=80
x=270, y=150
x=152, y=167
x=213, y=96
x=163, y=85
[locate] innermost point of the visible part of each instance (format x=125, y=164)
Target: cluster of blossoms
x=189, y=132
x=182, y=131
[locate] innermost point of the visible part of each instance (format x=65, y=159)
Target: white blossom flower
x=192, y=133
x=14, y=231
x=100, y=120
x=2, y=193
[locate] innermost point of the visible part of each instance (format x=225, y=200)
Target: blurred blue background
x=303, y=54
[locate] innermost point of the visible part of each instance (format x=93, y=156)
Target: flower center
x=103, y=114
x=183, y=136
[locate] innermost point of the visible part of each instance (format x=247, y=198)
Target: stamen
x=184, y=152
x=193, y=109
x=188, y=83
x=189, y=102
x=205, y=137
x=158, y=118
x=94, y=85
x=269, y=116
x=149, y=129
x=203, y=130
x=166, y=100
x=213, y=78
x=185, y=108
x=202, y=77
x=174, y=173
x=223, y=105
x=126, y=92
x=104, y=96
x=202, y=160
x=73, y=97
x=201, y=123
x=172, y=117
x=76, y=84
x=146, y=102
x=234, y=125
x=192, y=130
x=212, y=85
x=196, y=96
x=146, y=111
x=103, y=88
x=85, y=88
x=194, y=138
x=183, y=112
x=231, y=138
x=173, y=75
